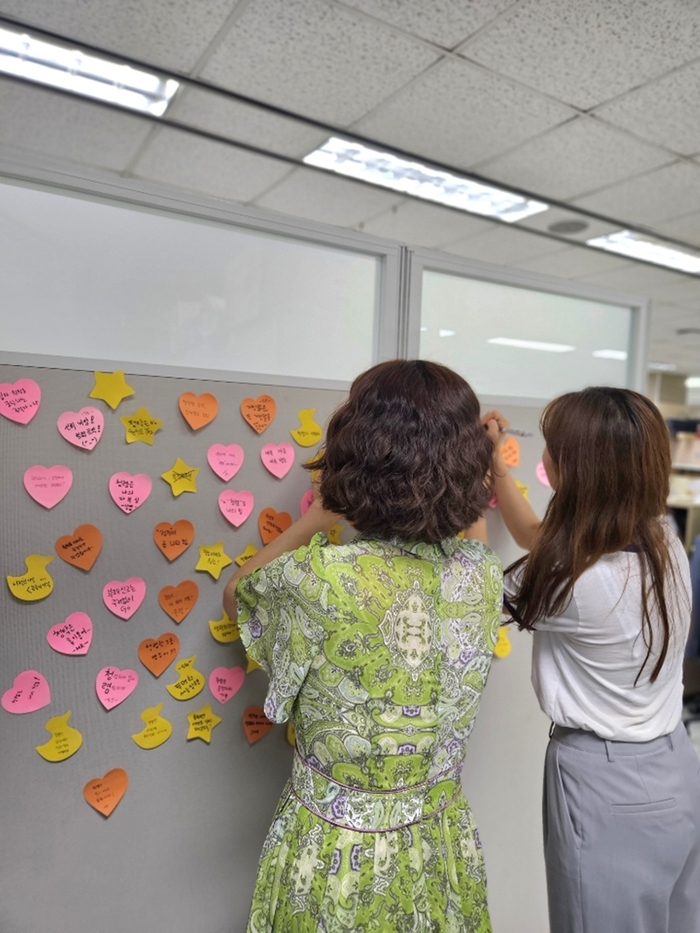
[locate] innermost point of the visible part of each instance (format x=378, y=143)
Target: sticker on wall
x=225, y=460
x=198, y=410
x=82, y=548
x=189, y=683
x=157, y=654
x=245, y=556
x=48, y=485
x=82, y=428
x=141, y=426
x=493, y=501
x=130, y=491
x=72, y=636
x=278, y=459
x=111, y=388
x=256, y=724
x=64, y=742
x=179, y=600
x=271, y=524
x=252, y=665
x=510, y=451
x=173, y=540
x=113, y=686
x=19, y=401
x=29, y=692
x=291, y=734
x=524, y=490
x=213, y=559
x=224, y=630
x=181, y=477
x=503, y=646
x=541, y=475
x=259, y=412
x=236, y=506
x=201, y=722
x=36, y=583
x=123, y=597
x=306, y=501
x=309, y=432
x=104, y=793
x=334, y=534
x=225, y=682
x=156, y=729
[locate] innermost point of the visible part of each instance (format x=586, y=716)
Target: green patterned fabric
x=378, y=651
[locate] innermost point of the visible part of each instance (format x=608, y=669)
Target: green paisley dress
x=378, y=651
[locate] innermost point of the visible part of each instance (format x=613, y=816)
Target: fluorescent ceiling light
x=638, y=246
x=447, y=333
x=610, y=354
x=692, y=382
x=662, y=367
x=72, y=70
x=421, y=181
x=532, y=344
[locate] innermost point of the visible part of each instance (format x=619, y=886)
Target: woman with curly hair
x=378, y=651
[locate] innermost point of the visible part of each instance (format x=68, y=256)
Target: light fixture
x=532, y=344
x=72, y=70
x=658, y=367
x=610, y=354
x=648, y=249
x=420, y=181
x=447, y=333
x=692, y=382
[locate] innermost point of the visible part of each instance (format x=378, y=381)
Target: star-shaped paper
x=202, y=721
x=111, y=388
x=141, y=426
x=181, y=478
x=252, y=665
x=213, y=559
x=245, y=556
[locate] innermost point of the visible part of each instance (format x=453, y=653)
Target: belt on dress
x=373, y=811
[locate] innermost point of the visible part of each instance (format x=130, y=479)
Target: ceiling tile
x=504, y=246
x=582, y=155
x=636, y=279
x=686, y=228
x=460, y=114
x=573, y=262
x=545, y=219
x=588, y=51
x=185, y=161
x=424, y=225
x=315, y=59
x=68, y=128
x=326, y=198
x=169, y=33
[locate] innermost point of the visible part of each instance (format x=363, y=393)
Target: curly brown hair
x=406, y=455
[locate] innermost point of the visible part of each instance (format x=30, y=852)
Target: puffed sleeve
x=281, y=612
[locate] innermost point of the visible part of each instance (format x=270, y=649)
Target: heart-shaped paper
x=256, y=724
x=236, y=506
x=277, y=458
x=29, y=692
x=541, y=475
x=306, y=501
x=178, y=600
x=82, y=548
x=272, y=524
x=259, y=412
x=74, y=636
x=173, y=540
x=225, y=682
x=129, y=492
x=114, y=686
x=82, y=428
x=105, y=793
x=123, y=597
x=19, y=401
x=510, y=451
x=48, y=485
x=198, y=410
x=157, y=654
x=225, y=460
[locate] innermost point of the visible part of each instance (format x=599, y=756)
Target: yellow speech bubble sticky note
x=224, y=630
x=245, y=556
x=156, y=731
x=503, y=646
x=64, y=742
x=309, y=432
x=291, y=734
x=36, y=583
x=189, y=683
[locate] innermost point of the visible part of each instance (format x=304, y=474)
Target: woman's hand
x=495, y=424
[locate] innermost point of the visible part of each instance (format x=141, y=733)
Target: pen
x=516, y=431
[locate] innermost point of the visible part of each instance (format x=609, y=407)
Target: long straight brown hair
x=611, y=452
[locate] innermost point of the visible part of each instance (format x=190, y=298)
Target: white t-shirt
x=585, y=661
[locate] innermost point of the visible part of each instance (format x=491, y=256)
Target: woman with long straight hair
x=605, y=588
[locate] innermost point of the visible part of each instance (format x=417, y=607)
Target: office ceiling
x=593, y=103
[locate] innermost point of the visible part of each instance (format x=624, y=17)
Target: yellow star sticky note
x=213, y=559
x=224, y=630
x=334, y=534
x=181, y=478
x=141, y=426
x=252, y=665
x=111, y=388
x=202, y=721
x=246, y=555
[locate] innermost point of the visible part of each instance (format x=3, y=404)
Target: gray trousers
x=622, y=834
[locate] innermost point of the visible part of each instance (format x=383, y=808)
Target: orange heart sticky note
x=157, y=654
x=82, y=548
x=173, y=540
x=178, y=600
x=510, y=451
x=198, y=410
x=256, y=724
x=259, y=412
x=272, y=524
x=105, y=793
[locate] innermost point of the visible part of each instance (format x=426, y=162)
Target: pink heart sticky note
x=83, y=428
x=541, y=475
x=73, y=636
x=225, y=682
x=236, y=506
x=19, y=401
x=129, y=492
x=123, y=597
x=48, y=485
x=277, y=458
x=493, y=501
x=29, y=692
x=114, y=686
x=306, y=501
x=225, y=461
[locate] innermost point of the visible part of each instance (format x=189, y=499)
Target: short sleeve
x=281, y=613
